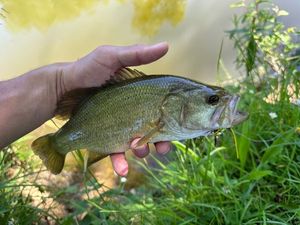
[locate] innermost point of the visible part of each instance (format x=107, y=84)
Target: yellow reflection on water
x=149, y=15
x=41, y=14
x=35, y=33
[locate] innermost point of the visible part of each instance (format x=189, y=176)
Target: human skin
x=27, y=101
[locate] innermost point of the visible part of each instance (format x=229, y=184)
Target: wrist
x=29, y=100
x=56, y=75
x=64, y=76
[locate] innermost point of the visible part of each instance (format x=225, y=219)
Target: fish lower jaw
x=239, y=117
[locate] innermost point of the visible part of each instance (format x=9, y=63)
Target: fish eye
x=213, y=99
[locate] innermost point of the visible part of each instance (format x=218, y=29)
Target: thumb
x=140, y=54
x=95, y=68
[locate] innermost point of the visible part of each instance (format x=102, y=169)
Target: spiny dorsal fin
x=127, y=73
x=122, y=75
x=72, y=100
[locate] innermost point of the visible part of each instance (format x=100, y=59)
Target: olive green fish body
x=111, y=118
x=114, y=116
x=155, y=108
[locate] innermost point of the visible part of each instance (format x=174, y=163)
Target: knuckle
x=104, y=48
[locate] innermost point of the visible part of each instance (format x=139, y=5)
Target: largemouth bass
x=134, y=105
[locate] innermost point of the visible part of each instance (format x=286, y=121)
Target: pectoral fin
x=147, y=138
x=173, y=99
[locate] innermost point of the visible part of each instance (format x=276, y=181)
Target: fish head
x=210, y=108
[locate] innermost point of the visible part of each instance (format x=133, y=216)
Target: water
x=34, y=33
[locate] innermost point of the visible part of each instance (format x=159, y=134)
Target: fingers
x=163, y=147
x=112, y=58
x=140, y=151
x=119, y=163
x=96, y=68
x=140, y=54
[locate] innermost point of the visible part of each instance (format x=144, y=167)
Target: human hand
x=97, y=67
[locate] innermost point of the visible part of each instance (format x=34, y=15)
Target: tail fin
x=52, y=159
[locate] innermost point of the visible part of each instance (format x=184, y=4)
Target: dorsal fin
x=122, y=75
x=72, y=100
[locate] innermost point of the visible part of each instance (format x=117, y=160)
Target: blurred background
x=34, y=33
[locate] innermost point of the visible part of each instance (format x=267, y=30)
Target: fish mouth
x=236, y=116
x=216, y=117
x=239, y=117
x=228, y=115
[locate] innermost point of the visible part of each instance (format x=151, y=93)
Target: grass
x=249, y=174
x=16, y=192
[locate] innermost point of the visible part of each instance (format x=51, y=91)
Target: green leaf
x=277, y=146
x=237, y=4
x=257, y=174
x=180, y=146
x=243, y=144
x=251, y=54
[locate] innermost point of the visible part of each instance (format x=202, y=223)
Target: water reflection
x=41, y=14
x=148, y=16
x=37, y=33
x=70, y=29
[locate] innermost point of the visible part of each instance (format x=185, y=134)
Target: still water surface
x=34, y=33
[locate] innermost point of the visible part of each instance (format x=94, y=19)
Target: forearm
x=28, y=101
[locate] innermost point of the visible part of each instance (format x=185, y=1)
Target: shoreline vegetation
x=249, y=174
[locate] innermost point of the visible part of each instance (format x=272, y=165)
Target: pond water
x=34, y=33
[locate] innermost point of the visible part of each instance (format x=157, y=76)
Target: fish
x=104, y=120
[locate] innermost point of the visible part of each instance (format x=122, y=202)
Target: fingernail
x=139, y=147
x=123, y=172
x=159, y=45
x=163, y=148
x=134, y=143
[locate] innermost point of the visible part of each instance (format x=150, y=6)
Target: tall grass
x=16, y=192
